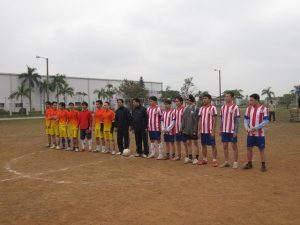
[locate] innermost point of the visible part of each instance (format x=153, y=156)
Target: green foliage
x=57, y=82
x=187, y=87
x=268, y=93
x=65, y=90
x=287, y=99
x=133, y=89
x=169, y=94
x=22, y=91
x=237, y=93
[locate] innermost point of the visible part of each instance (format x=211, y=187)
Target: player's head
x=254, y=99
x=206, y=99
x=84, y=105
x=71, y=105
x=136, y=102
x=152, y=100
x=271, y=101
x=229, y=96
x=168, y=104
x=62, y=105
x=120, y=102
x=178, y=101
x=48, y=104
x=191, y=100
x=54, y=105
x=106, y=105
x=99, y=104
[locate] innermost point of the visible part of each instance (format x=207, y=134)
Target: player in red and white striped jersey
x=207, y=129
x=179, y=136
x=256, y=118
x=168, y=129
x=154, y=127
x=229, y=126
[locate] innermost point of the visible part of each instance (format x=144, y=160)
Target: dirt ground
x=41, y=186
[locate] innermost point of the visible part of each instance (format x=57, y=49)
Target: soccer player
x=54, y=126
x=108, y=120
x=73, y=126
x=207, y=129
x=48, y=122
x=62, y=117
x=168, y=129
x=85, y=123
x=256, y=118
x=229, y=127
x=179, y=136
x=154, y=127
x=98, y=122
x=189, y=128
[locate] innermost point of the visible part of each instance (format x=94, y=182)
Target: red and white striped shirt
x=206, y=114
x=256, y=116
x=154, y=118
x=228, y=114
x=168, y=117
x=178, y=115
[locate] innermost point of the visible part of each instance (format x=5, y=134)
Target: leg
x=204, y=152
x=197, y=148
x=173, y=150
x=249, y=154
x=178, y=148
x=138, y=142
x=226, y=153
x=235, y=152
x=145, y=142
x=120, y=141
x=126, y=139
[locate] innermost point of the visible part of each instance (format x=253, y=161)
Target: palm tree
x=57, y=81
x=110, y=91
x=32, y=79
x=65, y=90
x=21, y=92
x=268, y=92
x=81, y=93
x=101, y=94
x=43, y=89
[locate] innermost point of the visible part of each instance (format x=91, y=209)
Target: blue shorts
x=85, y=134
x=180, y=137
x=228, y=137
x=154, y=135
x=207, y=139
x=259, y=142
x=169, y=138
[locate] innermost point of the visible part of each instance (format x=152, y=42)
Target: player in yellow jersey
x=98, y=126
x=48, y=110
x=62, y=117
x=108, y=120
x=73, y=126
x=54, y=129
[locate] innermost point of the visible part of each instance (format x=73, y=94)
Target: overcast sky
x=255, y=43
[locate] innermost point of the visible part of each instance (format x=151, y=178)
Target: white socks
x=153, y=149
x=90, y=144
x=82, y=144
x=160, y=148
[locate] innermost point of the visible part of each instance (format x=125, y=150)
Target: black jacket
x=139, y=119
x=122, y=119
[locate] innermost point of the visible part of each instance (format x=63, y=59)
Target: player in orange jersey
x=54, y=129
x=48, y=122
x=98, y=126
x=73, y=126
x=62, y=117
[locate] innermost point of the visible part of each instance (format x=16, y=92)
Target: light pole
x=220, y=89
x=47, y=75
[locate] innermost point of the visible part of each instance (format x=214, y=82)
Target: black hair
x=54, y=102
x=153, y=98
x=100, y=102
x=84, y=103
x=48, y=103
x=179, y=98
x=71, y=103
x=62, y=104
x=231, y=93
x=192, y=98
x=207, y=96
x=255, y=96
x=107, y=103
x=169, y=102
x=137, y=100
x=121, y=100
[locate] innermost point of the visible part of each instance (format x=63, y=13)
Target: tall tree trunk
x=65, y=98
x=30, y=100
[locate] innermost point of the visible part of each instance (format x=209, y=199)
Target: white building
x=10, y=82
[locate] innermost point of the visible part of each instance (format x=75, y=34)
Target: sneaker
x=225, y=164
x=103, y=150
x=48, y=146
x=113, y=152
x=144, y=156
x=214, y=163
x=263, y=168
x=76, y=150
x=53, y=147
x=137, y=155
x=151, y=156
x=235, y=165
x=176, y=158
x=195, y=161
x=107, y=151
x=68, y=148
x=187, y=160
x=202, y=162
x=160, y=157
x=247, y=166
x=57, y=147
x=82, y=150
x=119, y=153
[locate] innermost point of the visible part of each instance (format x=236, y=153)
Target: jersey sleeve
x=246, y=114
x=266, y=113
x=237, y=112
x=214, y=111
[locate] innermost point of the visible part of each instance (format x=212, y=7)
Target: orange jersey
x=98, y=117
x=47, y=117
x=108, y=118
x=62, y=116
x=54, y=116
x=73, y=118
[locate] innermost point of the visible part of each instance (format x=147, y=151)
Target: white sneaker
x=187, y=160
x=68, y=149
x=103, y=150
x=144, y=156
x=119, y=153
x=57, y=147
x=225, y=164
x=107, y=151
x=195, y=161
x=235, y=165
x=151, y=156
x=76, y=150
x=113, y=152
x=160, y=157
x=53, y=147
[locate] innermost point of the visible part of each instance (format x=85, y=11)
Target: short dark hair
x=153, y=98
x=100, y=102
x=179, y=98
x=169, y=102
x=231, y=93
x=255, y=96
x=85, y=103
x=62, y=104
x=137, y=100
x=71, y=103
x=207, y=96
x=48, y=103
x=120, y=99
x=191, y=98
x=107, y=103
x=54, y=102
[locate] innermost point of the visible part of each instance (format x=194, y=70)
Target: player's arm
x=263, y=123
x=90, y=118
x=214, y=124
x=199, y=124
x=145, y=116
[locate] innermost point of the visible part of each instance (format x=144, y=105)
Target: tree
x=22, y=91
x=82, y=94
x=31, y=78
x=169, y=94
x=268, y=92
x=101, y=93
x=187, y=86
x=286, y=99
x=43, y=89
x=200, y=95
x=65, y=90
x=237, y=93
x=132, y=89
x=57, y=82
x=110, y=91
x=142, y=83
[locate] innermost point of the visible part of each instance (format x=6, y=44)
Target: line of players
x=182, y=125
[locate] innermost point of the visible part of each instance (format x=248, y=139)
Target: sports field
x=42, y=186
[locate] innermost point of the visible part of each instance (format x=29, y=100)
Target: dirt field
x=41, y=186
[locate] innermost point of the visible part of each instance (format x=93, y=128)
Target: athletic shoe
x=107, y=151
x=160, y=157
x=57, y=147
x=202, y=162
x=119, y=153
x=151, y=156
x=187, y=160
x=176, y=158
x=113, y=152
x=103, y=150
x=68, y=149
x=214, y=163
x=247, y=166
x=137, y=155
x=144, y=156
x=263, y=168
x=225, y=164
x=76, y=150
x=82, y=150
x=53, y=147
x=48, y=146
x=235, y=165
x=195, y=161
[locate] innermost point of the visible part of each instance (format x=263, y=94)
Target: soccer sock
x=63, y=140
x=82, y=144
x=152, y=146
x=190, y=156
x=204, y=159
x=98, y=147
x=263, y=163
x=90, y=144
x=160, y=147
x=69, y=142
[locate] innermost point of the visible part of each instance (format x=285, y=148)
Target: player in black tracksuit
x=140, y=126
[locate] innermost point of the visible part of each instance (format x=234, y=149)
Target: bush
x=3, y=112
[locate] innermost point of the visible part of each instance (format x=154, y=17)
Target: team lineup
x=184, y=126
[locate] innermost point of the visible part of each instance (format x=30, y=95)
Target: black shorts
x=84, y=133
x=191, y=136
